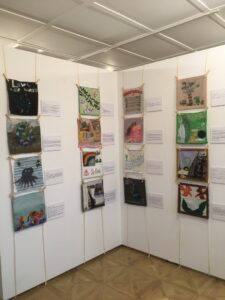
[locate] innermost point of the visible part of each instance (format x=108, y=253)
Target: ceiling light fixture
x=15, y=45
x=121, y=15
x=109, y=68
x=40, y=50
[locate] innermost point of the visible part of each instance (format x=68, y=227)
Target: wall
x=63, y=237
x=193, y=242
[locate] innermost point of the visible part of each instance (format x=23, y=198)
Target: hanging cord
x=14, y=262
x=78, y=74
x=36, y=80
x=98, y=78
x=84, y=229
x=127, y=224
x=177, y=68
x=146, y=231
x=179, y=236
x=209, y=252
x=206, y=62
x=103, y=231
x=44, y=254
x=142, y=75
x=4, y=62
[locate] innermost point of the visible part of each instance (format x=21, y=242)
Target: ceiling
x=113, y=34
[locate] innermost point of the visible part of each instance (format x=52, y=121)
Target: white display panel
x=64, y=236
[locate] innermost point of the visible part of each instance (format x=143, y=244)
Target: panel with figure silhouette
x=134, y=191
x=92, y=194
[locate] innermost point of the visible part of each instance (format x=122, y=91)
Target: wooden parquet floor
x=126, y=274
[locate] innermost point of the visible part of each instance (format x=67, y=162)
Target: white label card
x=154, y=137
x=217, y=97
x=53, y=176
x=55, y=210
x=218, y=135
x=109, y=167
x=218, y=175
x=218, y=212
x=154, y=167
x=110, y=195
x=50, y=108
x=153, y=104
x=108, y=139
x=52, y=143
x=107, y=109
x=155, y=200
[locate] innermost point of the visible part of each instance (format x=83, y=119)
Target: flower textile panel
x=193, y=200
x=23, y=97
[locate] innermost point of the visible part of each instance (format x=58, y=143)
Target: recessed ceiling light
x=15, y=45
x=40, y=50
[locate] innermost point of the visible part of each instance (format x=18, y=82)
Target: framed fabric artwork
x=92, y=194
x=192, y=92
x=27, y=174
x=133, y=100
x=192, y=164
x=23, y=97
x=134, y=191
x=89, y=101
x=91, y=163
x=28, y=210
x=192, y=128
x=24, y=136
x=89, y=132
x=134, y=160
x=133, y=130
x=193, y=200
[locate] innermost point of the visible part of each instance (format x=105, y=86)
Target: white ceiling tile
x=15, y=27
x=152, y=13
x=98, y=25
x=59, y=41
x=118, y=58
x=44, y=10
x=213, y=3
x=153, y=47
x=199, y=33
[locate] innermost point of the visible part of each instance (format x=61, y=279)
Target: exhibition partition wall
x=69, y=237
x=187, y=237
